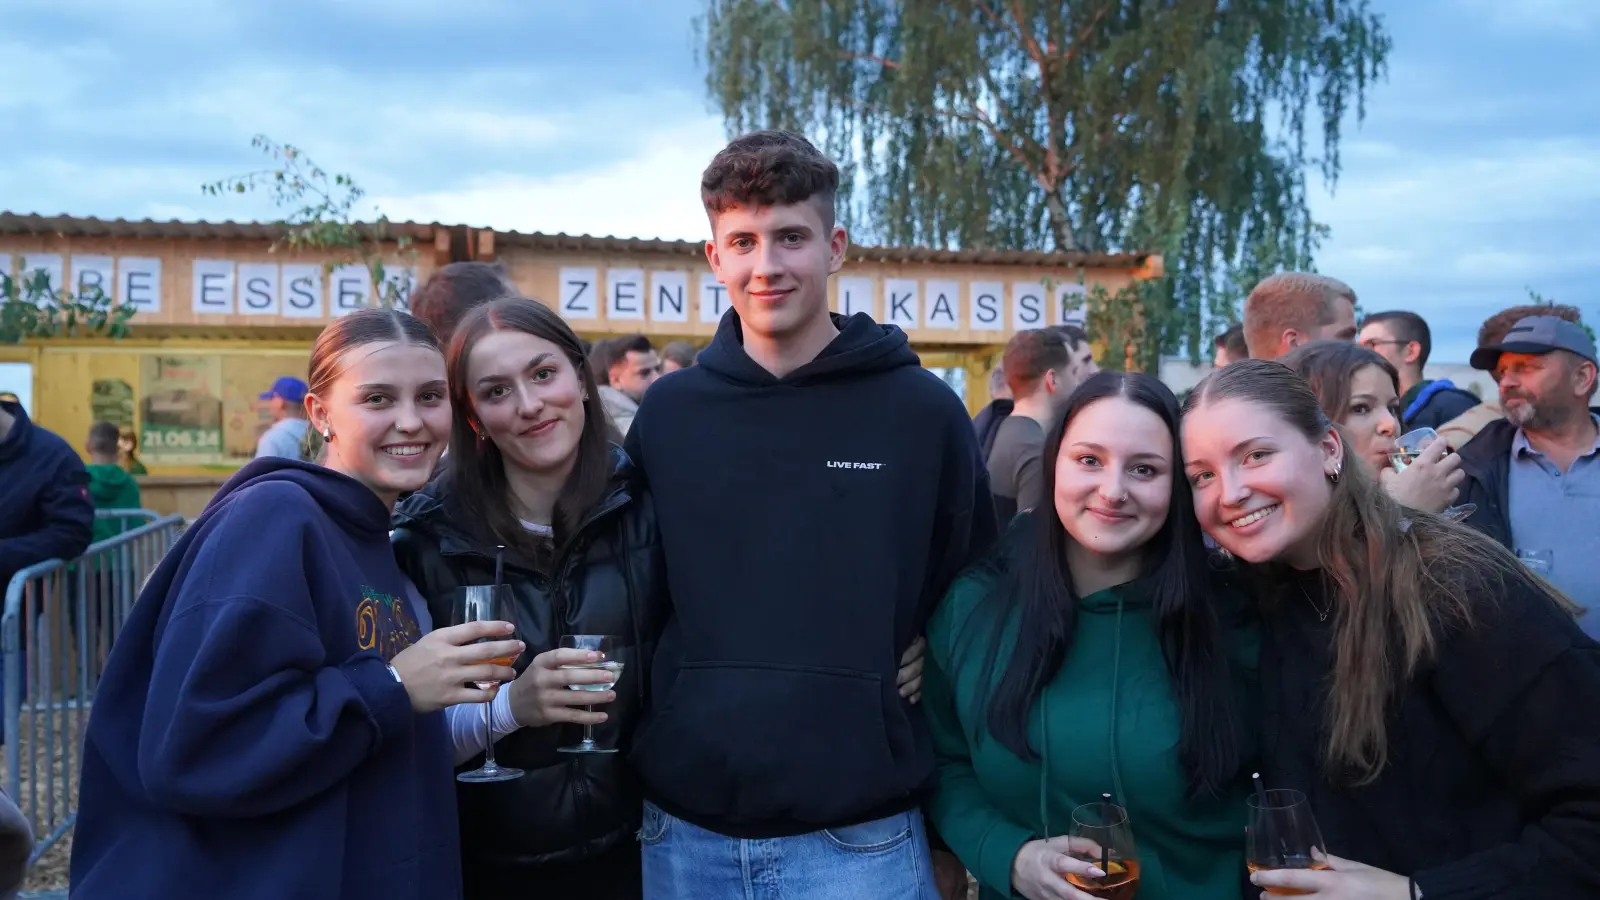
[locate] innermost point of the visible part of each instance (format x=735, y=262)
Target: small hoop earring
x=327, y=434
x=1333, y=477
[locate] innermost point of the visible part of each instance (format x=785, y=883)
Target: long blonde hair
x=1400, y=579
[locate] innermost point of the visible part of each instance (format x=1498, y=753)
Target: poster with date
x=181, y=406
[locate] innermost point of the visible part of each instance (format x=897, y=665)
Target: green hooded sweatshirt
x=112, y=488
x=988, y=801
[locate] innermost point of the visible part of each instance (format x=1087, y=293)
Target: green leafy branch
x=320, y=215
x=31, y=307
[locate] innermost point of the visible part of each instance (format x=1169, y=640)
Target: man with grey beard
x=1535, y=475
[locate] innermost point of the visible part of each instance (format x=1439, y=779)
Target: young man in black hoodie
x=817, y=492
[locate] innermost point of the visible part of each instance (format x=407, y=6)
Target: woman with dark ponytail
x=1435, y=701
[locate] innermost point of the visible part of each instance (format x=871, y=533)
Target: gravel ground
x=49, y=873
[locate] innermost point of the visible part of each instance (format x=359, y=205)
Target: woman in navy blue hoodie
x=270, y=723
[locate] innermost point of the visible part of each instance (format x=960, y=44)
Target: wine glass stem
x=588, y=730
x=488, y=739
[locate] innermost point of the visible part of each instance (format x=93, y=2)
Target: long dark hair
x=1035, y=582
x=479, y=491
x=1329, y=367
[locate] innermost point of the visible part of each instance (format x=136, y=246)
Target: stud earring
x=327, y=433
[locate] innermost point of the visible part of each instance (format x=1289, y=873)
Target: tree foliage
x=30, y=306
x=1175, y=126
x=320, y=214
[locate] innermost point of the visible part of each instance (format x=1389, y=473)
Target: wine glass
x=603, y=645
x=1283, y=834
x=1407, y=448
x=485, y=603
x=1100, y=836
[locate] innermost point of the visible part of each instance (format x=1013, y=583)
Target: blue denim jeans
x=882, y=860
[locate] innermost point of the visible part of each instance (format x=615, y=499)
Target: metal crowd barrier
x=60, y=619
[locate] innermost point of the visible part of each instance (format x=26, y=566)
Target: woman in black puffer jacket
x=530, y=469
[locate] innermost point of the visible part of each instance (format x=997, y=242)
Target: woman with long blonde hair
x=1435, y=701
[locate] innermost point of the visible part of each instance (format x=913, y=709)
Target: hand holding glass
x=1104, y=827
x=1283, y=834
x=603, y=645
x=485, y=603
x=1407, y=448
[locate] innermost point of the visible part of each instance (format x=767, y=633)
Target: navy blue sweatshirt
x=45, y=510
x=810, y=524
x=248, y=739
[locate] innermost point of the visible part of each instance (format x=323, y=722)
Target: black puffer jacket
x=609, y=580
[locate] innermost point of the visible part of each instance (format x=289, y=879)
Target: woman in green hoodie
x=1091, y=655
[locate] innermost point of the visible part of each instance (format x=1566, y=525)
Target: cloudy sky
x=1475, y=177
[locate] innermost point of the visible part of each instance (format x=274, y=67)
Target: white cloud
x=652, y=194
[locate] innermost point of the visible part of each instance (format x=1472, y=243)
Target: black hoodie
x=810, y=524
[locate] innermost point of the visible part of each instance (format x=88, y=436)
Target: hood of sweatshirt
x=862, y=346
x=348, y=502
x=107, y=484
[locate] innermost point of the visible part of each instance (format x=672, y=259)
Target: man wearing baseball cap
x=287, y=402
x=1535, y=475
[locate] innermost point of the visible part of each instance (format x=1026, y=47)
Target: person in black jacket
x=531, y=469
x=45, y=509
x=1404, y=339
x=1535, y=475
x=1436, y=703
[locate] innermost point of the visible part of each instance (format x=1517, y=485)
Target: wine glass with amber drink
x=486, y=603
x=1283, y=834
x=1101, y=836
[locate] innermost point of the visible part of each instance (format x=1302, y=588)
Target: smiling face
x=1260, y=486
x=389, y=416
x=1114, y=477
x=527, y=398
x=1372, y=417
x=775, y=262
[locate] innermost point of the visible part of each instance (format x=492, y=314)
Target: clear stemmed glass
x=1101, y=836
x=1407, y=448
x=1283, y=834
x=485, y=603
x=603, y=645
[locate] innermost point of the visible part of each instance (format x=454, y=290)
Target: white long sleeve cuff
x=466, y=723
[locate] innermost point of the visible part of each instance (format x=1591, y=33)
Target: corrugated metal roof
x=73, y=226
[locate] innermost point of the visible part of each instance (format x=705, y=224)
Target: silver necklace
x=1322, y=614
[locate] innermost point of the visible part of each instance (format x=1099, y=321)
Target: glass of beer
x=1101, y=836
x=486, y=603
x=603, y=645
x=1283, y=834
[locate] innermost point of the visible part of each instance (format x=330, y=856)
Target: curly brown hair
x=770, y=168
